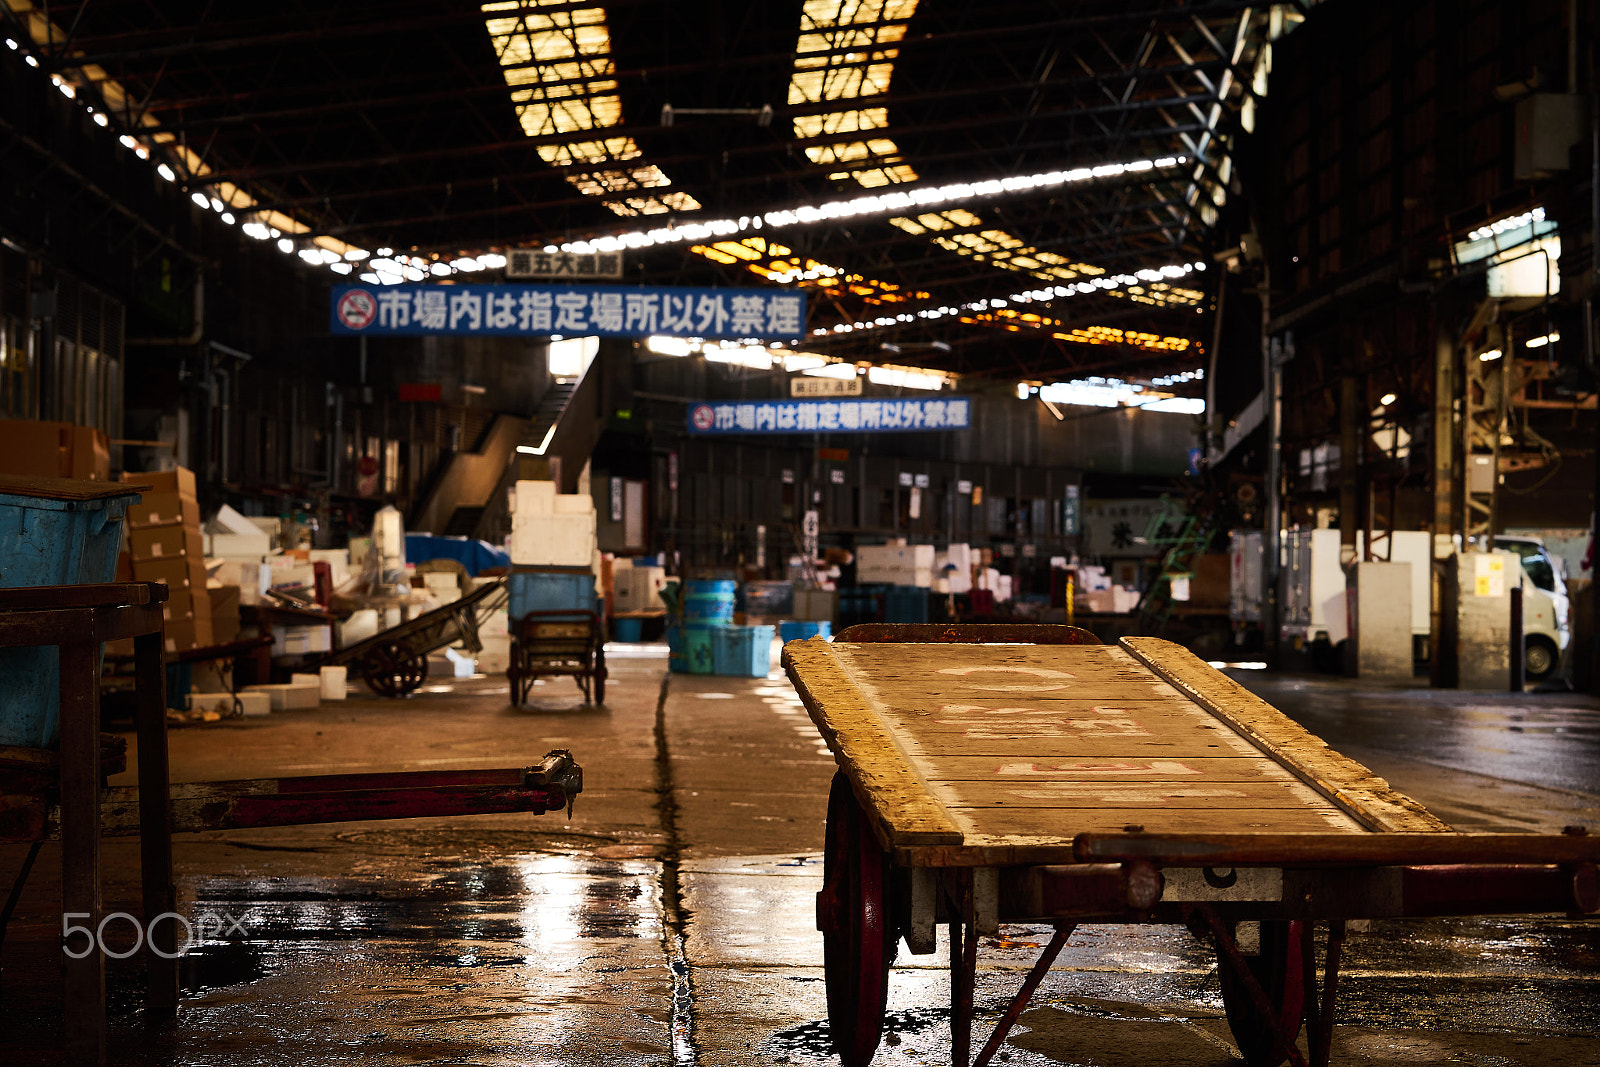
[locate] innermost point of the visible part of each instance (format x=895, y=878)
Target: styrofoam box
x=335, y=683
x=291, y=697
x=555, y=540
x=495, y=656
x=299, y=640
x=574, y=504
x=532, y=498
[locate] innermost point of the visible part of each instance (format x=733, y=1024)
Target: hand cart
x=394, y=662
x=1059, y=781
x=551, y=643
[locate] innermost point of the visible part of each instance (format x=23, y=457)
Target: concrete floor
x=671, y=919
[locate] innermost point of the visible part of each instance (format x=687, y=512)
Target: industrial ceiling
x=1021, y=189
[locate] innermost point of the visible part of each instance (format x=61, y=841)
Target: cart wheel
x=600, y=676
x=392, y=670
x=858, y=934
x=1280, y=973
x=520, y=683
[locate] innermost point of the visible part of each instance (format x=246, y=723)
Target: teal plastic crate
x=699, y=656
x=52, y=532
x=742, y=651
x=709, y=602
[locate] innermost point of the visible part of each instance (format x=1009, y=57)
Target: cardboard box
x=161, y=509
x=224, y=599
x=179, y=480
x=165, y=542
x=178, y=572
x=186, y=604
x=182, y=636
x=54, y=450
x=224, y=629
x=236, y=536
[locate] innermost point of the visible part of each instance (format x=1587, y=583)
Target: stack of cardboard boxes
x=164, y=545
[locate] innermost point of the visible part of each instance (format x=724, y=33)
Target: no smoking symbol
x=703, y=417
x=357, y=309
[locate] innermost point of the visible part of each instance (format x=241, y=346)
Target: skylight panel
x=557, y=62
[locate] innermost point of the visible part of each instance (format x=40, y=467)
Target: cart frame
x=394, y=662
x=896, y=865
x=563, y=641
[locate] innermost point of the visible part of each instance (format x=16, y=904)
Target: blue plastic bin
x=49, y=535
x=795, y=630
x=742, y=651
x=709, y=602
x=627, y=630
x=537, y=591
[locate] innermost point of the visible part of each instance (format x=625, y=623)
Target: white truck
x=1314, y=603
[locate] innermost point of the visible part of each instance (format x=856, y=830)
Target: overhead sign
x=529, y=263
x=829, y=416
x=805, y=385
x=578, y=310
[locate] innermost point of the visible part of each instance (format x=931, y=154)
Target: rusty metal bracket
x=1203, y=920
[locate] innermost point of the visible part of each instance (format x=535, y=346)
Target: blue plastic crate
x=538, y=591
x=48, y=536
x=796, y=630
x=742, y=651
x=709, y=602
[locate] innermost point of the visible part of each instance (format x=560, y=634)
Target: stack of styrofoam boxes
x=637, y=588
x=301, y=691
x=164, y=545
x=550, y=529
x=895, y=564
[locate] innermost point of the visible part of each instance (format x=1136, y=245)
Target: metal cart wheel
x=600, y=675
x=393, y=670
x=858, y=933
x=521, y=682
x=1280, y=971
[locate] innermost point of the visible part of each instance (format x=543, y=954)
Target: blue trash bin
x=53, y=531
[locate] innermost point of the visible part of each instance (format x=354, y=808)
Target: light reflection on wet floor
x=562, y=958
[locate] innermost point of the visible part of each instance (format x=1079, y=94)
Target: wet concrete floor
x=670, y=921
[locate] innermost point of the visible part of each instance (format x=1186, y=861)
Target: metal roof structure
x=1032, y=185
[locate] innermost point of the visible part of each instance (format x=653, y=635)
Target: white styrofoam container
x=496, y=654
x=300, y=640
x=335, y=682
x=532, y=498
x=291, y=697
x=555, y=540
x=574, y=504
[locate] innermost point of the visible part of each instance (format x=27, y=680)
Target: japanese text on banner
x=829, y=416
x=603, y=310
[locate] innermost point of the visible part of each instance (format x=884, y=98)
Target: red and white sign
x=704, y=418
x=357, y=308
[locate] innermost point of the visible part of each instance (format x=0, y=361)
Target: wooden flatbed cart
x=394, y=662
x=1055, y=780
x=566, y=641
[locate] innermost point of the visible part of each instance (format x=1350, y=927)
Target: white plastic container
x=334, y=683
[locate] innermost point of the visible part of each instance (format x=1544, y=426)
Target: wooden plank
x=935, y=770
x=1342, y=780
x=903, y=811
x=1341, y=850
x=73, y=489
x=1134, y=794
x=1041, y=826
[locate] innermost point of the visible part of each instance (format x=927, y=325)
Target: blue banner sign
x=587, y=310
x=829, y=416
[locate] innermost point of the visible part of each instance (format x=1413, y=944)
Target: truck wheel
x=1538, y=658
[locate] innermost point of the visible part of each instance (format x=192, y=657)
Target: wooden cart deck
x=996, y=754
x=1070, y=782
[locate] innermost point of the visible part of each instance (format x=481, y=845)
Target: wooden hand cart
x=394, y=662
x=551, y=643
x=1057, y=780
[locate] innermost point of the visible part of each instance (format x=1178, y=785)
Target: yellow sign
x=1489, y=575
